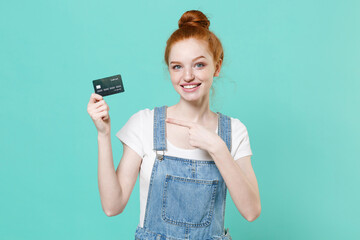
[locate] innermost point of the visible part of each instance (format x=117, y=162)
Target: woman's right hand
x=99, y=113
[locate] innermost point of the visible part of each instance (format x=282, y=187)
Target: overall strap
x=224, y=129
x=159, y=128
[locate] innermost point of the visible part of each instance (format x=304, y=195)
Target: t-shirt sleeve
x=240, y=146
x=131, y=133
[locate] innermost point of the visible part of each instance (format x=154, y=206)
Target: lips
x=189, y=89
x=190, y=85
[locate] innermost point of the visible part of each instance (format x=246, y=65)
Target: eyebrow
x=193, y=59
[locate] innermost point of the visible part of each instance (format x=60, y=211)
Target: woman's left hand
x=199, y=136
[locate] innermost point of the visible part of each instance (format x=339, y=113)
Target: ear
x=217, y=68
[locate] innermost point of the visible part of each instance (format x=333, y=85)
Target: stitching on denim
x=165, y=113
x=224, y=203
x=164, y=200
x=192, y=180
x=193, y=170
x=226, y=131
x=189, y=160
x=213, y=200
x=161, y=128
x=144, y=230
x=155, y=129
x=207, y=222
x=187, y=233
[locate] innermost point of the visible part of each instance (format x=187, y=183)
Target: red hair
x=194, y=24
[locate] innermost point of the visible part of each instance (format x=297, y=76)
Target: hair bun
x=194, y=18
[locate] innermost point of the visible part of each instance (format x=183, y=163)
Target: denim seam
x=146, y=230
x=165, y=113
x=213, y=183
x=189, y=160
x=182, y=179
x=224, y=204
x=213, y=200
x=155, y=129
x=162, y=125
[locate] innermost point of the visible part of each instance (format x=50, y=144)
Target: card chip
x=109, y=85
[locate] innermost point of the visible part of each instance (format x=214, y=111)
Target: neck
x=198, y=111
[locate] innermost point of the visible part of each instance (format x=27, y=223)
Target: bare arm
x=241, y=181
x=115, y=187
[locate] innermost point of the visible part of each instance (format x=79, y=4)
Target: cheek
x=175, y=77
x=174, y=82
x=205, y=76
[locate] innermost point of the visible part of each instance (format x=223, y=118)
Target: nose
x=189, y=76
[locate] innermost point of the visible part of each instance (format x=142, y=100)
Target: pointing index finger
x=179, y=122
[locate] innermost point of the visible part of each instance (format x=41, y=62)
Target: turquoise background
x=290, y=74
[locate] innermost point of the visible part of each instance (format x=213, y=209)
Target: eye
x=200, y=65
x=176, y=67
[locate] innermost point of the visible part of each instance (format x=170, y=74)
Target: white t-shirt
x=137, y=133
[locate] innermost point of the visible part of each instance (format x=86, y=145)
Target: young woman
x=187, y=155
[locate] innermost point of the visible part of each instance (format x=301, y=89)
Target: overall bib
x=186, y=199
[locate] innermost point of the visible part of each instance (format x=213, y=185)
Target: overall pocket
x=188, y=202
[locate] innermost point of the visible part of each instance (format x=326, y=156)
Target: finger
x=179, y=122
x=105, y=116
x=95, y=97
x=101, y=115
x=100, y=109
x=100, y=103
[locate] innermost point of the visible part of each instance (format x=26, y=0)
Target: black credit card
x=109, y=85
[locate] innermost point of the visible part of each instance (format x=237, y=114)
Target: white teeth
x=190, y=86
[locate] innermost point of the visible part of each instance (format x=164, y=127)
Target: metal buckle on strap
x=160, y=156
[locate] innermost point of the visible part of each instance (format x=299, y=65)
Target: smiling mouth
x=190, y=86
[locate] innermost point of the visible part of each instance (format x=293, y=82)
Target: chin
x=191, y=97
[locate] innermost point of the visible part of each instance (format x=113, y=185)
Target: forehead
x=189, y=49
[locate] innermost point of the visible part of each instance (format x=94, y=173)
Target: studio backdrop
x=291, y=74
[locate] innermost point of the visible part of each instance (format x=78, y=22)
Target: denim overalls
x=186, y=198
